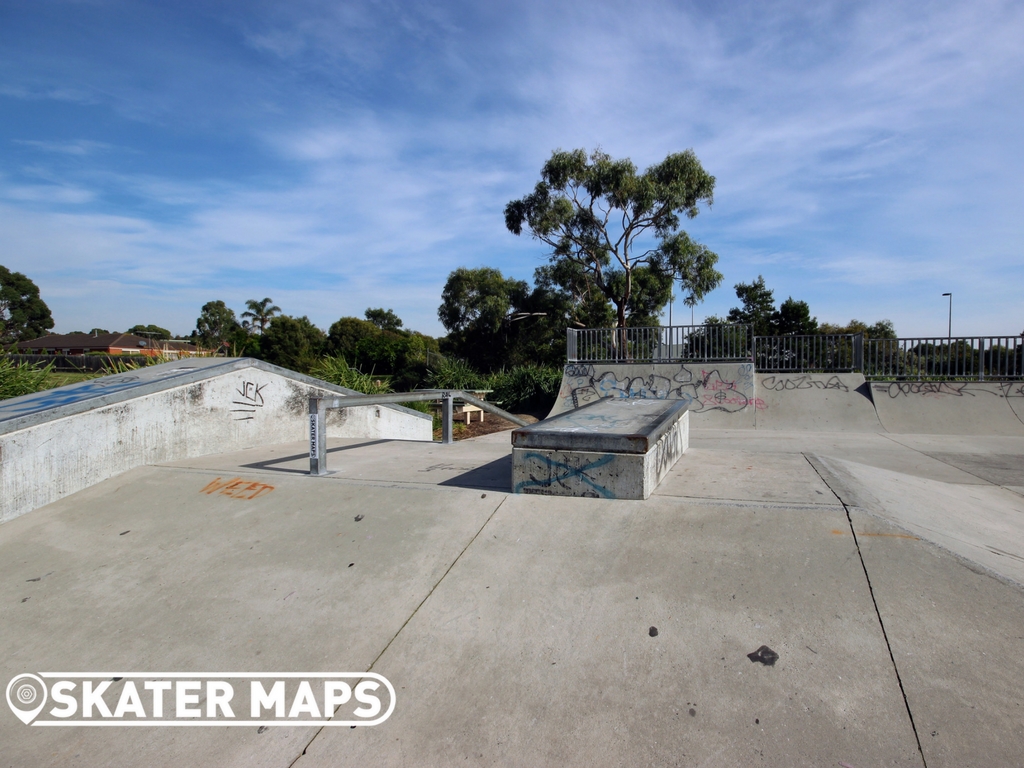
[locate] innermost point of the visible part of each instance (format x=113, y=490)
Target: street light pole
x=949, y=336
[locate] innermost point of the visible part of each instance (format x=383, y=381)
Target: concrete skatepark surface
x=884, y=570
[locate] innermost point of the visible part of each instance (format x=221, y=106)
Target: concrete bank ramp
x=719, y=395
x=60, y=441
x=820, y=402
x=949, y=407
x=732, y=396
x=1014, y=392
x=980, y=523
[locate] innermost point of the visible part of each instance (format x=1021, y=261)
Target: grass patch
x=62, y=378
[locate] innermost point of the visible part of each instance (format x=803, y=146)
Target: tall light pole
x=949, y=336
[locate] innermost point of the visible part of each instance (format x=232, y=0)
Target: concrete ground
x=884, y=570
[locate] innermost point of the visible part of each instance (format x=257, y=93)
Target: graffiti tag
x=250, y=397
x=560, y=473
x=784, y=384
x=237, y=488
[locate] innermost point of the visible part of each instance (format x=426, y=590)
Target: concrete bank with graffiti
x=726, y=395
x=57, y=442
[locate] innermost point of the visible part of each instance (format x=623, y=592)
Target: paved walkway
x=885, y=571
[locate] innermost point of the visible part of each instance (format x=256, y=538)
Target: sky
x=336, y=156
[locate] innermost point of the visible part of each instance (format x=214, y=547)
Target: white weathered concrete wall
x=231, y=411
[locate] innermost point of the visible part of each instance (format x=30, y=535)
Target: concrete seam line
x=710, y=501
x=878, y=614
x=406, y=622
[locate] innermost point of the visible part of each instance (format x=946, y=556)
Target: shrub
x=525, y=387
x=337, y=371
x=454, y=373
x=22, y=378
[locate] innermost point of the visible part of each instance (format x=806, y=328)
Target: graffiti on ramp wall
x=702, y=389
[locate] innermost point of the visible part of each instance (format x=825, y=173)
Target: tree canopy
x=292, y=342
x=883, y=329
x=150, y=332
x=216, y=324
x=403, y=356
x=260, y=313
x=476, y=308
x=385, y=319
x=597, y=214
x=758, y=310
x=495, y=322
x=23, y=314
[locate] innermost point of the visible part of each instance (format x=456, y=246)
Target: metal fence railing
x=822, y=352
x=958, y=357
x=660, y=344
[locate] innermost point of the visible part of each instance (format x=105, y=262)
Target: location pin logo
x=24, y=692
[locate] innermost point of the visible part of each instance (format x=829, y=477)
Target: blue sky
x=338, y=156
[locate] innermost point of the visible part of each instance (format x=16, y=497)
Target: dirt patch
x=491, y=423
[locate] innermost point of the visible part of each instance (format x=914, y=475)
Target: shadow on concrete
x=494, y=476
x=272, y=465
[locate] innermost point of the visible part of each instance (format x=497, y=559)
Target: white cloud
x=860, y=151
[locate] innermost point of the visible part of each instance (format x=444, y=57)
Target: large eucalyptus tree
x=610, y=222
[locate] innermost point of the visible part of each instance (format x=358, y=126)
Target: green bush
x=525, y=387
x=337, y=371
x=22, y=378
x=453, y=373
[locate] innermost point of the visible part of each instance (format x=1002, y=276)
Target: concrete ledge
x=611, y=449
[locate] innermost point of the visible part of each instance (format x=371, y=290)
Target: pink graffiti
x=716, y=384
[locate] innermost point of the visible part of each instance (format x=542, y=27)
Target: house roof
x=100, y=341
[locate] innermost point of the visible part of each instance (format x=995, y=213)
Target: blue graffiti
x=75, y=393
x=559, y=472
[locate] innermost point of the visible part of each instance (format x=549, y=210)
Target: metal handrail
x=319, y=405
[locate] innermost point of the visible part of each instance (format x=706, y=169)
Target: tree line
x=616, y=252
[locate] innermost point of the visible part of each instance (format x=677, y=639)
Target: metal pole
x=949, y=337
x=317, y=436
x=446, y=418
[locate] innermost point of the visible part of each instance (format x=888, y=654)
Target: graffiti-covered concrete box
x=610, y=449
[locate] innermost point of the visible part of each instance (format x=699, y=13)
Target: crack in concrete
x=878, y=613
x=406, y=622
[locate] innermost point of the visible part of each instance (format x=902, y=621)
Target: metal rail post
x=446, y=418
x=317, y=436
